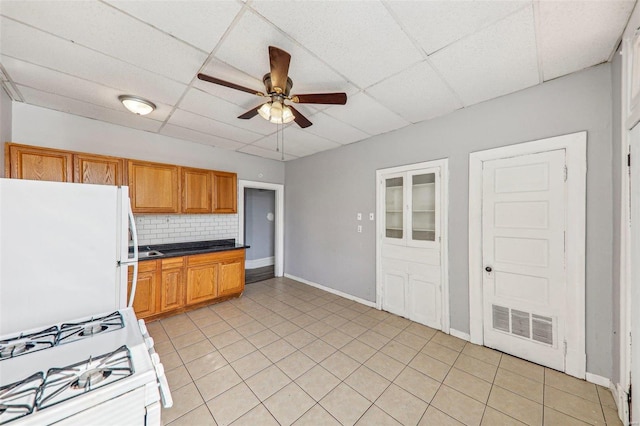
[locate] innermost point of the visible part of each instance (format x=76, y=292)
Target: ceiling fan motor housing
x=269, y=87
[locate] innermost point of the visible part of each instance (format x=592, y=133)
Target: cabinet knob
x=488, y=269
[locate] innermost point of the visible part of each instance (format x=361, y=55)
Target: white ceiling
x=400, y=62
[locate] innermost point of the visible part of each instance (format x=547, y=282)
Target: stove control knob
x=155, y=359
x=149, y=342
x=143, y=328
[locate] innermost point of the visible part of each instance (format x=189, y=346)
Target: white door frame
x=279, y=220
x=575, y=145
x=443, y=164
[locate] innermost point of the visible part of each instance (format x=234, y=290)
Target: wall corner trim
x=331, y=290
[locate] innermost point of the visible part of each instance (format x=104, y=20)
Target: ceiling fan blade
x=300, y=119
x=251, y=113
x=321, y=98
x=279, y=62
x=214, y=80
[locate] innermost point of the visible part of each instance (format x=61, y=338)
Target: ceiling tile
x=416, y=94
x=246, y=48
x=498, y=60
x=37, y=47
x=359, y=39
x=199, y=23
x=199, y=137
x=335, y=130
x=202, y=124
x=58, y=83
x=589, y=31
x=73, y=106
x=435, y=24
x=265, y=153
x=366, y=114
x=298, y=142
x=107, y=30
x=210, y=106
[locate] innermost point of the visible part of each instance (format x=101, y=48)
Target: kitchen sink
x=150, y=253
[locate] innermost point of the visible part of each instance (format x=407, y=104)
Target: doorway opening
x=260, y=222
x=259, y=234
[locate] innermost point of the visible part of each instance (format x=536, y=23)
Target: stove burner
x=23, y=344
x=16, y=348
x=64, y=383
x=91, y=378
x=93, y=328
x=70, y=332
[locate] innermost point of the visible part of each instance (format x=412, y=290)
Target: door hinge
x=566, y=173
x=565, y=348
x=629, y=160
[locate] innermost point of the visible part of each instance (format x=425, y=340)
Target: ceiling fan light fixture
x=276, y=112
x=137, y=105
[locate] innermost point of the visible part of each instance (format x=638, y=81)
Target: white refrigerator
x=64, y=252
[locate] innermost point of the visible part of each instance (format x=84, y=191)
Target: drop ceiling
x=400, y=62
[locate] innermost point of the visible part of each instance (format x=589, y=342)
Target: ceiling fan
x=278, y=87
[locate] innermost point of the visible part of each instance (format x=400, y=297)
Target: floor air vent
x=524, y=324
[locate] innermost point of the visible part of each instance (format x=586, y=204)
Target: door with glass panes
x=410, y=255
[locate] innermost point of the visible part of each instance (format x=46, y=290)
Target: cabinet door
x=225, y=192
x=196, y=191
x=202, y=282
x=39, y=164
x=172, y=289
x=154, y=188
x=98, y=170
x=394, y=212
x=145, y=301
x=423, y=216
x=231, y=279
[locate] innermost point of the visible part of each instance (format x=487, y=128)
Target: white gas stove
x=98, y=370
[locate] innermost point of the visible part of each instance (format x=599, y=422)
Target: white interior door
x=635, y=271
x=523, y=236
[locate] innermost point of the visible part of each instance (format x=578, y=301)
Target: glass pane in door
x=423, y=209
x=393, y=207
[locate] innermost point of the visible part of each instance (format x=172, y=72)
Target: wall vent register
x=530, y=326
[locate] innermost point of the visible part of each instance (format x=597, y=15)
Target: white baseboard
x=460, y=334
x=598, y=380
x=332, y=290
x=259, y=263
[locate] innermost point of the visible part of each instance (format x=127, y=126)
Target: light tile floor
x=287, y=353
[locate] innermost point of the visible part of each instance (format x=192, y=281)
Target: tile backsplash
x=163, y=229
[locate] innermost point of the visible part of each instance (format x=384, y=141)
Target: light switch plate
x=370, y=216
x=359, y=216
x=360, y=228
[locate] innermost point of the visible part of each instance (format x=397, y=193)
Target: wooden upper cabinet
x=225, y=192
x=154, y=187
x=32, y=163
x=98, y=169
x=196, y=191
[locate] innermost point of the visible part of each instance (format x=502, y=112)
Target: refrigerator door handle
x=134, y=261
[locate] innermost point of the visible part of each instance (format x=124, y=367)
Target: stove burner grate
x=19, y=399
x=61, y=384
x=23, y=344
x=70, y=332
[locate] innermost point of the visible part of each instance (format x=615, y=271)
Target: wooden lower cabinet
x=145, y=302
x=173, y=285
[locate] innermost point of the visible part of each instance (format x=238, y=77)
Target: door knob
x=488, y=269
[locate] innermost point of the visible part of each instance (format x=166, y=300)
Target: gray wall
x=259, y=232
x=325, y=191
x=616, y=106
x=34, y=125
x=5, y=124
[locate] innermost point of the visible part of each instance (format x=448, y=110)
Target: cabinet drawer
x=147, y=266
x=172, y=262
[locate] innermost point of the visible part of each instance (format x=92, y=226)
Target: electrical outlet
x=360, y=228
x=370, y=216
x=359, y=216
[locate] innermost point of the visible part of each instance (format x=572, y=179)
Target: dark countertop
x=189, y=248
